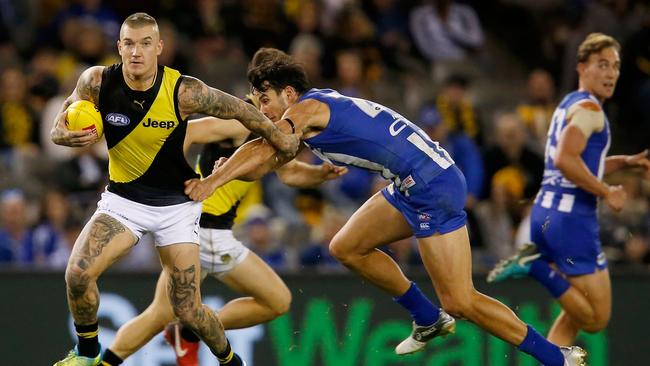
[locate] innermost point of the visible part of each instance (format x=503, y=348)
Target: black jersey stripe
x=176, y=109
x=115, y=97
x=168, y=171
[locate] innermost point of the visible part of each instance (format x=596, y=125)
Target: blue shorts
x=571, y=241
x=434, y=207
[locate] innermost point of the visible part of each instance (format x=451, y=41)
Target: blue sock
x=539, y=347
x=422, y=310
x=552, y=280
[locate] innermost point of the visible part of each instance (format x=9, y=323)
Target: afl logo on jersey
x=117, y=119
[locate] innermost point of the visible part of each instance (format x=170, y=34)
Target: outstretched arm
x=250, y=162
x=302, y=175
x=211, y=129
x=87, y=88
x=617, y=162
x=256, y=158
x=196, y=97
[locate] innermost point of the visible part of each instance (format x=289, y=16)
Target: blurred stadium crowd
x=481, y=77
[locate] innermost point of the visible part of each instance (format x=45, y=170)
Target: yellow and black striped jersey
x=144, y=133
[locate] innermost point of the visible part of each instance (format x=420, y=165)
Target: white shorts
x=220, y=252
x=168, y=224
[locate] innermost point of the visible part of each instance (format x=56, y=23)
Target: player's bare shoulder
x=310, y=115
x=192, y=95
x=90, y=83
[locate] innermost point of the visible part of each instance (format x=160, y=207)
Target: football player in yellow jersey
x=144, y=107
x=222, y=255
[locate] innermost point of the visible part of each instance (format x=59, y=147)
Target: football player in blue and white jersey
x=425, y=199
x=566, y=256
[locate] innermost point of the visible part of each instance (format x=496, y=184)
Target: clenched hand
x=60, y=134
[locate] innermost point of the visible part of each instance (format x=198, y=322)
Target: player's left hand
x=331, y=171
x=199, y=189
x=639, y=160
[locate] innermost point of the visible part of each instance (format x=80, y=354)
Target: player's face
x=272, y=104
x=599, y=74
x=139, y=48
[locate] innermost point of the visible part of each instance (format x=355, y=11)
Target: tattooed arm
x=87, y=89
x=196, y=97
x=258, y=157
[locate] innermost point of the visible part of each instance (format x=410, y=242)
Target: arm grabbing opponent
x=194, y=96
x=303, y=175
x=256, y=158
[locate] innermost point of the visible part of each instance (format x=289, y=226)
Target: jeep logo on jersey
x=159, y=124
x=117, y=119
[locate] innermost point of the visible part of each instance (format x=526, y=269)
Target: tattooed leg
x=100, y=244
x=182, y=289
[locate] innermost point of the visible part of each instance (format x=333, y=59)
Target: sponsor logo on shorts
x=116, y=213
x=601, y=259
x=117, y=119
x=408, y=182
x=424, y=226
x=424, y=216
x=226, y=258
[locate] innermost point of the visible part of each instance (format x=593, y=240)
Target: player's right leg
x=593, y=288
x=227, y=259
x=569, y=262
x=377, y=223
x=447, y=258
x=181, y=262
x=528, y=261
x=103, y=240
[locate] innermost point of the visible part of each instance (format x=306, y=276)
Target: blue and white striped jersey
x=370, y=136
x=557, y=192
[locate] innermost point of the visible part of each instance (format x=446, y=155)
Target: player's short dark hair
x=594, y=43
x=274, y=69
x=138, y=20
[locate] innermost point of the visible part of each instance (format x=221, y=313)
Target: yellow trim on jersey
x=130, y=158
x=252, y=199
x=226, y=196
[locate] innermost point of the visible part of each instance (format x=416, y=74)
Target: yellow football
x=84, y=115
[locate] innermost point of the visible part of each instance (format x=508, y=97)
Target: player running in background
x=425, y=199
x=566, y=256
x=144, y=107
x=222, y=255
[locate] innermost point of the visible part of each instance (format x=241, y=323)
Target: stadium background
x=484, y=83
